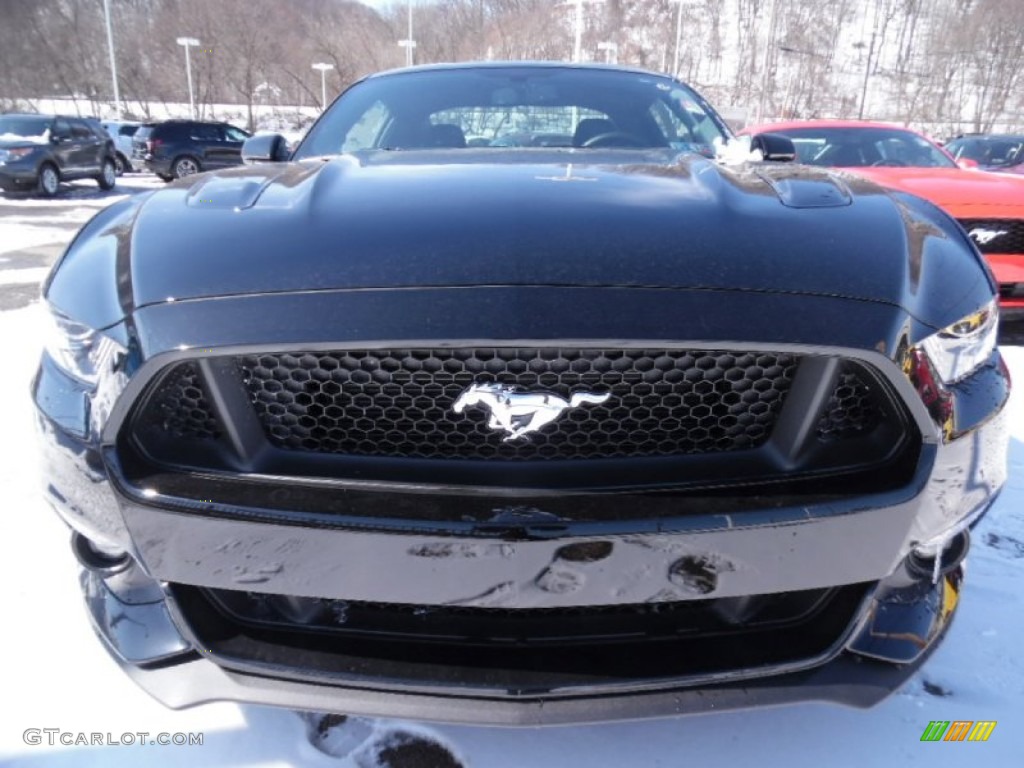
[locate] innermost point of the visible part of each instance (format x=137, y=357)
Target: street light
x=324, y=69
x=408, y=45
x=611, y=52
x=113, y=62
x=188, y=42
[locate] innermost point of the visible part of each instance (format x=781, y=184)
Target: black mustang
x=512, y=398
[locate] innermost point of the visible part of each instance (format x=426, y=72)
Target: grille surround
x=398, y=402
x=798, y=455
x=1011, y=242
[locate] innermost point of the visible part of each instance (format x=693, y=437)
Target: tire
x=165, y=177
x=121, y=164
x=49, y=181
x=108, y=175
x=186, y=165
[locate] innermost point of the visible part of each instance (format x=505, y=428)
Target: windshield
x=859, y=147
x=14, y=127
x=515, y=107
x=990, y=150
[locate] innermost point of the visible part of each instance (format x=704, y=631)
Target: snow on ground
x=55, y=674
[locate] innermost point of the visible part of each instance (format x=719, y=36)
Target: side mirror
x=967, y=164
x=774, y=147
x=265, y=148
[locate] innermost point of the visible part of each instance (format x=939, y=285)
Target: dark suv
x=179, y=148
x=40, y=151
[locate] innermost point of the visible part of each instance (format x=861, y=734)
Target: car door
x=63, y=146
x=207, y=141
x=87, y=148
x=234, y=138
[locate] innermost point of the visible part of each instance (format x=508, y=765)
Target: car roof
x=822, y=123
x=470, y=65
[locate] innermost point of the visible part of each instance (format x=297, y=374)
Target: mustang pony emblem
x=520, y=413
x=985, y=236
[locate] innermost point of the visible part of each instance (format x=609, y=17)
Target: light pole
x=408, y=43
x=577, y=49
x=188, y=42
x=867, y=73
x=113, y=62
x=679, y=37
x=611, y=52
x=324, y=69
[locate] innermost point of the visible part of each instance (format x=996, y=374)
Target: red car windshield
x=859, y=147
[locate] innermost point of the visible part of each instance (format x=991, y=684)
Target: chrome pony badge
x=521, y=413
x=985, y=236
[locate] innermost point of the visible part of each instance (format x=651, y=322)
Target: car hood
x=393, y=220
x=14, y=142
x=961, y=192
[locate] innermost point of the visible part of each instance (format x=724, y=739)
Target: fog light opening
x=931, y=565
x=105, y=561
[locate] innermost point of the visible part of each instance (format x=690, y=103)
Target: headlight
x=15, y=154
x=79, y=350
x=962, y=348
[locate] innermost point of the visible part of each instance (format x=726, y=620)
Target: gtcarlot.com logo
x=958, y=730
x=54, y=736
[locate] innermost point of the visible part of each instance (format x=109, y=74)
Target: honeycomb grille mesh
x=852, y=409
x=180, y=406
x=1011, y=239
x=399, y=402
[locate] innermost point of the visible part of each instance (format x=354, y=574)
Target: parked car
x=992, y=152
x=122, y=131
x=178, y=148
x=989, y=206
x=38, y=152
x=521, y=434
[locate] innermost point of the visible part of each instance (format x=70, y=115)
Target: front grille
x=514, y=651
x=852, y=408
x=676, y=418
x=399, y=402
x=181, y=408
x=996, y=235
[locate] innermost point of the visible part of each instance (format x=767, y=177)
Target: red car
x=989, y=206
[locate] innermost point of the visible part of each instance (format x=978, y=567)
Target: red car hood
x=964, y=194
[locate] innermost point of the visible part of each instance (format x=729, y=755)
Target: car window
x=852, y=147
x=61, y=127
x=127, y=130
x=515, y=106
x=173, y=131
x=234, y=134
x=205, y=132
x=367, y=129
x=14, y=127
x=80, y=130
x=509, y=126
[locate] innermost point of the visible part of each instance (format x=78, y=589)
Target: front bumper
x=509, y=552
x=145, y=642
x=18, y=175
